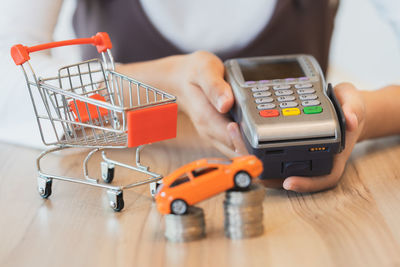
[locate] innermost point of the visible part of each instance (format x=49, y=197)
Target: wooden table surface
x=355, y=224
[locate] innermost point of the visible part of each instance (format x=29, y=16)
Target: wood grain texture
x=354, y=224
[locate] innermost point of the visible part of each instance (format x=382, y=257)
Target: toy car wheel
x=242, y=180
x=179, y=207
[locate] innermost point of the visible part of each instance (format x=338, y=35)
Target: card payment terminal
x=289, y=117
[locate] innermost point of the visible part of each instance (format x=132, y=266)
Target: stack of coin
x=243, y=212
x=187, y=227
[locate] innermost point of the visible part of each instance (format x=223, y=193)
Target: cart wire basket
x=90, y=105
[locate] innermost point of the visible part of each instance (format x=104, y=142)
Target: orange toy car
x=205, y=178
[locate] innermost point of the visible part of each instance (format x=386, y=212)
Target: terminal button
x=297, y=167
x=286, y=98
x=290, y=104
x=266, y=106
x=291, y=112
x=283, y=92
x=264, y=100
x=308, y=97
x=282, y=87
x=312, y=110
x=262, y=94
x=305, y=91
x=269, y=113
x=310, y=103
x=303, y=86
x=259, y=89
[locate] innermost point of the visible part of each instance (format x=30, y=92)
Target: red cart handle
x=20, y=53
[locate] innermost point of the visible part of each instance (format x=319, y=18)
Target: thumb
x=210, y=78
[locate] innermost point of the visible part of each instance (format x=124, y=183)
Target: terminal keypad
x=289, y=98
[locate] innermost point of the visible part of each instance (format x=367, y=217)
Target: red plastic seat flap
x=152, y=124
x=84, y=110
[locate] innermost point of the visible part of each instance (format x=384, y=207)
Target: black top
x=297, y=26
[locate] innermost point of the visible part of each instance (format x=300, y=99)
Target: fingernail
x=233, y=131
x=221, y=101
x=232, y=135
x=287, y=185
x=353, y=124
x=354, y=117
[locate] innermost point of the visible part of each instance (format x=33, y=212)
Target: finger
x=351, y=118
x=208, y=121
x=236, y=138
x=271, y=183
x=352, y=129
x=316, y=183
x=224, y=149
x=351, y=102
x=218, y=92
x=310, y=184
x=343, y=91
x=210, y=78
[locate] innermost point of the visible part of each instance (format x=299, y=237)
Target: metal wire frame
x=74, y=85
x=121, y=94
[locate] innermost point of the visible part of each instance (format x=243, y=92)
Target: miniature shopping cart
x=90, y=105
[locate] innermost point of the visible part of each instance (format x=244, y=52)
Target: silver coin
x=243, y=208
x=248, y=228
x=193, y=212
x=187, y=227
x=255, y=194
x=244, y=199
x=189, y=234
x=243, y=212
x=244, y=232
x=241, y=220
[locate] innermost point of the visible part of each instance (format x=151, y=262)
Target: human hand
x=197, y=80
x=206, y=97
x=353, y=108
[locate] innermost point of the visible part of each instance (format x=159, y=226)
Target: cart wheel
x=242, y=180
x=116, y=200
x=107, y=172
x=158, y=184
x=44, y=187
x=154, y=186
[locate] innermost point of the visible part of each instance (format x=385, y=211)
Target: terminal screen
x=256, y=71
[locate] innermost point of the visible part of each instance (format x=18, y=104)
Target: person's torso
x=296, y=26
x=214, y=26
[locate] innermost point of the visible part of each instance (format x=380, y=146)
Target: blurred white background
x=365, y=49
